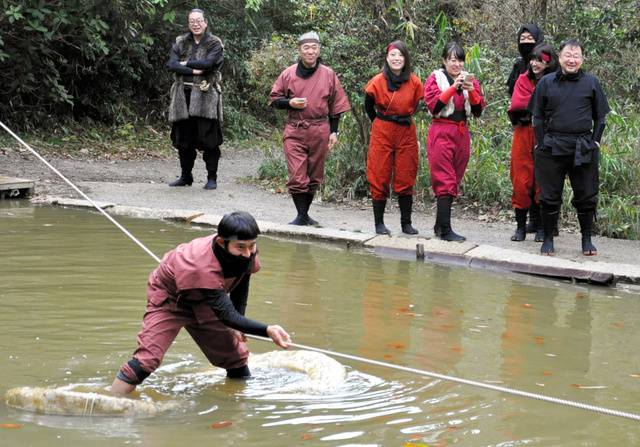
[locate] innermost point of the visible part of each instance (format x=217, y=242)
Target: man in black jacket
x=568, y=111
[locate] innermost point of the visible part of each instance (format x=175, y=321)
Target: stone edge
x=471, y=255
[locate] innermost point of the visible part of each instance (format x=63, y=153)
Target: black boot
x=307, y=206
x=378, y=216
x=442, y=228
x=406, y=205
x=211, y=182
x=585, y=219
x=187, y=158
x=539, y=237
x=521, y=222
x=549, y=222
x=300, y=201
x=182, y=181
x=534, y=217
x=242, y=372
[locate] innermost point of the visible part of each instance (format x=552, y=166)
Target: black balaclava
x=232, y=265
x=525, y=49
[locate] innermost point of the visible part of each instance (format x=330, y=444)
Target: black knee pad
x=140, y=373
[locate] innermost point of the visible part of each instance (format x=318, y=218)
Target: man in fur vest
x=195, y=111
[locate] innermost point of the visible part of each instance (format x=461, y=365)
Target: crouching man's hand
x=279, y=336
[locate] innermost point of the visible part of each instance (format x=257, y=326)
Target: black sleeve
x=334, y=122
x=174, y=63
x=240, y=294
x=536, y=108
x=212, y=61
x=438, y=107
x=370, y=106
x=600, y=109
x=513, y=76
x=226, y=312
x=281, y=103
x=519, y=117
x=476, y=110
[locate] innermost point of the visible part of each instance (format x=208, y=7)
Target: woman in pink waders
x=203, y=286
x=452, y=95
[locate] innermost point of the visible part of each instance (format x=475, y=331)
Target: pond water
x=72, y=289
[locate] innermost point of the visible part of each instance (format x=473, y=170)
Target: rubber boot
x=534, y=218
x=211, y=182
x=187, y=160
x=443, y=221
x=406, y=205
x=378, y=216
x=242, y=372
x=307, y=206
x=300, y=201
x=549, y=222
x=585, y=219
x=521, y=228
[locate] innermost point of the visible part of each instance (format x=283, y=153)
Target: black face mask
x=232, y=265
x=525, y=50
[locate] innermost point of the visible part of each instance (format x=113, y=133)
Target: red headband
x=391, y=47
x=545, y=57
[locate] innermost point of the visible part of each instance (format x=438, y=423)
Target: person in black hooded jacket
x=529, y=36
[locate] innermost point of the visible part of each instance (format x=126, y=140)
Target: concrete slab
x=600, y=272
x=431, y=246
x=65, y=201
x=296, y=232
x=177, y=215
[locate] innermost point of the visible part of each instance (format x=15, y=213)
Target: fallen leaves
x=221, y=424
x=9, y=425
x=396, y=345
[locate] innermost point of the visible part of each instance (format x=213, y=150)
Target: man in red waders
x=203, y=286
x=314, y=99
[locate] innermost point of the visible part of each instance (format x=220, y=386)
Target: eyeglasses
x=196, y=22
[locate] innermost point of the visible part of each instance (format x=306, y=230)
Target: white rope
x=123, y=229
x=474, y=383
x=541, y=397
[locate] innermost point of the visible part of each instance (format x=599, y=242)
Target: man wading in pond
x=568, y=111
x=314, y=99
x=203, y=286
x=195, y=111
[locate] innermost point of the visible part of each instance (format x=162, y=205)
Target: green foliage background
x=68, y=61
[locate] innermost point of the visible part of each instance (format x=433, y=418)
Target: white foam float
x=323, y=374
x=69, y=402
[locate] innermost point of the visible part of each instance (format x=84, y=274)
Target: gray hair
x=197, y=10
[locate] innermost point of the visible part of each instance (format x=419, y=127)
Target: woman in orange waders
x=525, y=190
x=391, y=98
x=452, y=96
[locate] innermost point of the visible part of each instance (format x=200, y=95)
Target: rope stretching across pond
x=514, y=392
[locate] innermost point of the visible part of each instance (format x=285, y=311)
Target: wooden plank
x=15, y=183
x=12, y=187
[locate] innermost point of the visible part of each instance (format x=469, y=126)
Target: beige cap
x=311, y=36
